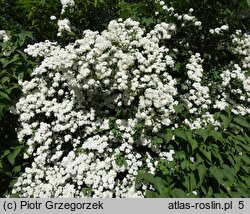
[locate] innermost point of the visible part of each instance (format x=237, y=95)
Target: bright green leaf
x=217, y=136
x=157, y=141
x=242, y=121
x=180, y=133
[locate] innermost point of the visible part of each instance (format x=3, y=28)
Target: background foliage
x=14, y=64
x=213, y=163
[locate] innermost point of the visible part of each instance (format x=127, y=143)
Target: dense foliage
x=14, y=65
x=156, y=104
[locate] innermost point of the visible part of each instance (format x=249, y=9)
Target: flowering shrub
x=105, y=109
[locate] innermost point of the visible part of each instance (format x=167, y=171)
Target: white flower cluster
x=63, y=25
x=186, y=18
x=197, y=97
x=219, y=30
x=242, y=47
x=235, y=87
x=41, y=49
x=65, y=110
x=81, y=111
x=4, y=36
x=66, y=4
x=164, y=6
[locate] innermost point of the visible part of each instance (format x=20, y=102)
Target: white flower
x=66, y=4
x=63, y=25
x=162, y=3
x=52, y=18
x=211, y=31
x=4, y=36
x=197, y=23
x=224, y=27
x=67, y=138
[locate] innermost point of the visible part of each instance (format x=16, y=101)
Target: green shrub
x=14, y=65
x=207, y=162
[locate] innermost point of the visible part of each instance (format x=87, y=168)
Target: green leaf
x=246, y=169
x=242, y=121
x=216, y=173
x=6, y=62
x=210, y=191
x=14, y=196
x=177, y=108
x=178, y=193
x=203, y=133
x=190, y=182
x=147, y=21
x=225, y=120
x=217, y=136
x=246, y=147
x=180, y=133
x=246, y=159
x=22, y=54
x=228, y=109
x=242, y=190
x=235, y=194
x=5, y=79
x=206, y=153
x=160, y=185
x=220, y=195
x=228, y=172
x=157, y=141
x=6, y=152
x=117, y=134
x=23, y=35
x=246, y=137
x=12, y=156
x=151, y=194
x=178, y=65
x=217, y=115
x=216, y=154
x=235, y=126
x=2, y=110
x=192, y=141
x=168, y=136
x=246, y=179
x=157, y=182
x=4, y=95
x=201, y=172
x=11, y=89
x=17, y=169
